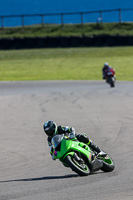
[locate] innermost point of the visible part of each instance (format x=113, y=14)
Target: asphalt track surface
x=27, y=171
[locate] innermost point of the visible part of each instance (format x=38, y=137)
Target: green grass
x=65, y=63
x=68, y=30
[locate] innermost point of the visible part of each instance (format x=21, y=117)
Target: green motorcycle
x=79, y=156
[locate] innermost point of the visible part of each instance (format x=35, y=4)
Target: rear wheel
x=79, y=167
x=108, y=164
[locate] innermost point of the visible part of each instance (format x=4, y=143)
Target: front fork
x=80, y=155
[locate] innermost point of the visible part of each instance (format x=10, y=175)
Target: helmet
x=50, y=128
x=106, y=64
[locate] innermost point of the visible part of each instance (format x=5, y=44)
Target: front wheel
x=112, y=81
x=79, y=167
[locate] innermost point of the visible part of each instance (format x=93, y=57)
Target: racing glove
x=72, y=133
x=51, y=152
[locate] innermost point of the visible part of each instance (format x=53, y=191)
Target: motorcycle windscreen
x=56, y=140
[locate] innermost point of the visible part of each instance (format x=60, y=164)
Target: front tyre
x=80, y=168
x=112, y=82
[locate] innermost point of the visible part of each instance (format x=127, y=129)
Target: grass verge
x=68, y=30
x=65, y=63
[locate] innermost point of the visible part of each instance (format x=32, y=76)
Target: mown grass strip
x=65, y=63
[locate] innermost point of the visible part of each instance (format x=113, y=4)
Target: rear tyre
x=108, y=164
x=80, y=168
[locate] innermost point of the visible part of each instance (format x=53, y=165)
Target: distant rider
x=106, y=69
x=51, y=129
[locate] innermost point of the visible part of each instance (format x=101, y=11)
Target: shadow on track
x=42, y=178
x=49, y=177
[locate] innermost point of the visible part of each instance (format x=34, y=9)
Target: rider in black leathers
x=51, y=129
x=106, y=68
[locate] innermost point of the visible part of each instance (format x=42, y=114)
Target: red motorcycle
x=110, y=77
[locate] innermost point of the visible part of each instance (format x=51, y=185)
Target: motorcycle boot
x=83, y=138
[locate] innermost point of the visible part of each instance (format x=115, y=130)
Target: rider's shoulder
x=64, y=128
x=59, y=129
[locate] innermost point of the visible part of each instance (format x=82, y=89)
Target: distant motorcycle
x=79, y=156
x=110, y=77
